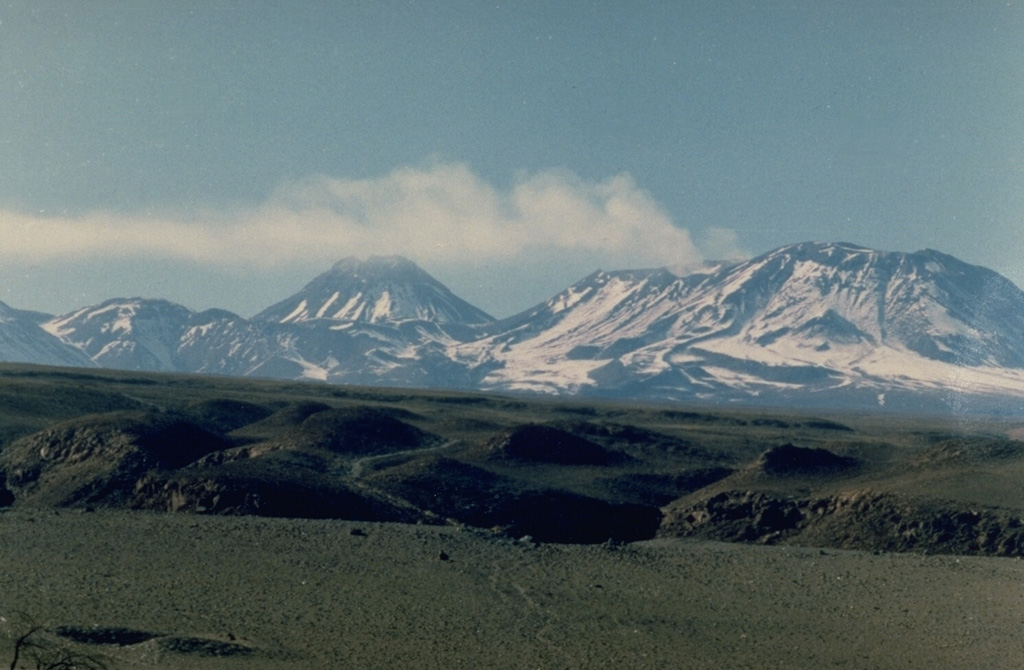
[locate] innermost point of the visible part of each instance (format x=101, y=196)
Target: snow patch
x=381, y=308
x=351, y=310
x=296, y=313
x=326, y=306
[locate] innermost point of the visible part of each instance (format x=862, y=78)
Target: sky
x=222, y=153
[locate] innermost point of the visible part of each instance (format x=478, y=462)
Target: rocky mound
x=546, y=444
x=361, y=431
x=788, y=460
x=289, y=416
x=862, y=520
x=626, y=440
x=98, y=458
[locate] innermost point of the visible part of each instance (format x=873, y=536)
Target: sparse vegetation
x=34, y=647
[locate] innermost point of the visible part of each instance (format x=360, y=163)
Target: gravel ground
x=232, y=592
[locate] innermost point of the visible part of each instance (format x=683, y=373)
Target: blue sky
x=224, y=153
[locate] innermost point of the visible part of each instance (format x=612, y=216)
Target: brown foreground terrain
x=180, y=591
x=201, y=522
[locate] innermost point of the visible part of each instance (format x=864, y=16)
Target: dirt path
x=357, y=466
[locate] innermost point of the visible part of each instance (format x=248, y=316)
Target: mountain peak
x=824, y=252
x=375, y=265
x=379, y=290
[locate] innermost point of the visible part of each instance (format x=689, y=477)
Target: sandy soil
x=311, y=594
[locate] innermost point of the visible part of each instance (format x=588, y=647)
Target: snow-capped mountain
x=381, y=321
x=380, y=290
x=836, y=320
x=23, y=341
x=126, y=333
x=814, y=323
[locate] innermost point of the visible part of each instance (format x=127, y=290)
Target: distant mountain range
x=813, y=324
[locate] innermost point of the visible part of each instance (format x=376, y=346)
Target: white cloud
x=722, y=244
x=434, y=215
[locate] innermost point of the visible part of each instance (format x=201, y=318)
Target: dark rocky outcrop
x=789, y=460
x=240, y=493
x=98, y=458
x=862, y=520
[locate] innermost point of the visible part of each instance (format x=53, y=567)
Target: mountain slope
x=22, y=340
x=806, y=318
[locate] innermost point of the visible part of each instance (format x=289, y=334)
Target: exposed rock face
x=100, y=457
x=737, y=516
x=235, y=494
x=850, y=520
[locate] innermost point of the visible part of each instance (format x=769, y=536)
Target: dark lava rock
x=738, y=516
x=564, y=517
x=789, y=460
x=97, y=458
x=861, y=520
x=248, y=492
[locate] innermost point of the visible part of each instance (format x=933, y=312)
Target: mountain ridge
x=811, y=322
